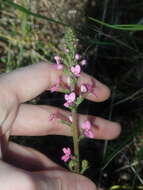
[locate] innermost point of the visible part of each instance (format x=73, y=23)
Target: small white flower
x=83, y=88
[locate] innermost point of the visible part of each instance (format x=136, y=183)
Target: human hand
x=25, y=168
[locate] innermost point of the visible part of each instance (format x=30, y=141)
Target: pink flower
x=55, y=86
x=83, y=62
x=67, y=104
x=70, y=118
x=77, y=56
x=90, y=88
x=58, y=59
x=58, y=62
x=89, y=133
x=67, y=154
x=52, y=116
x=70, y=98
x=83, y=88
x=76, y=70
x=86, y=126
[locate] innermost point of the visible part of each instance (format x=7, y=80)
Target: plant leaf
x=129, y=27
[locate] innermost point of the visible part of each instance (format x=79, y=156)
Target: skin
x=25, y=168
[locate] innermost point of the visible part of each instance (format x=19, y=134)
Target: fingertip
x=97, y=91
x=116, y=130
x=102, y=91
x=107, y=130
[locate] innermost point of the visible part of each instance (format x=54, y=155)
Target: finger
x=34, y=120
x=14, y=178
x=28, y=158
x=67, y=180
x=28, y=82
x=45, y=169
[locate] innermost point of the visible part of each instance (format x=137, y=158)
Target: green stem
x=75, y=132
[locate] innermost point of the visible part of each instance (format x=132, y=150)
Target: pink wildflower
x=83, y=88
x=55, y=86
x=90, y=88
x=77, y=56
x=58, y=62
x=70, y=98
x=67, y=104
x=70, y=118
x=52, y=116
x=58, y=59
x=88, y=133
x=86, y=126
x=83, y=62
x=67, y=154
x=76, y=70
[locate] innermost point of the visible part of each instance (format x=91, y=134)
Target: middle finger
x=35, y=120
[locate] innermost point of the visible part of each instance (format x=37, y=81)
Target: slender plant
x=71, y=63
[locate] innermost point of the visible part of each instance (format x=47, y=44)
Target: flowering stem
x=75, y=133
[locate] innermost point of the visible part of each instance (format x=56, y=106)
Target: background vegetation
x=115, y=57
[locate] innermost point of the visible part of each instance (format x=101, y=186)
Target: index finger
x=30, y=81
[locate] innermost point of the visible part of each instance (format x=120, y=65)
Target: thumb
x=85, y=184
x=62, y=180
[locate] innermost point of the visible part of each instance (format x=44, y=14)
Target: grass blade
x=128, y=27
x=26, y=11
